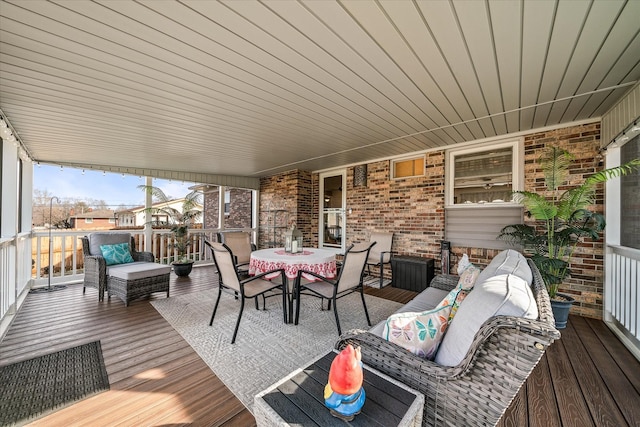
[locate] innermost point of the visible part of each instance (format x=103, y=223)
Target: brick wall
x=240, y=208
x=211, y=208
x=587, y=266
x=285, y=199
x=413, y=208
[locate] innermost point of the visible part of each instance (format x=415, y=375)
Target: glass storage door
x=332, y=210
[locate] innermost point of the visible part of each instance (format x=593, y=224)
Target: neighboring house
x=101, y=219
x=137, y=214
x=125, y=218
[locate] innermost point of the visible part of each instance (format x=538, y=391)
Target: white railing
x=15, y=275
x=622, y=295
x=25, y=260
x=67, y=259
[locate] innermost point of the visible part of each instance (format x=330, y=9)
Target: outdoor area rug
x=266, y=349
x=33, y=388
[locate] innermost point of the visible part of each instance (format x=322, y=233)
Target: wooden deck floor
x=587, y=378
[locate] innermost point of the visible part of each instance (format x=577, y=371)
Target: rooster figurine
x=343, y=394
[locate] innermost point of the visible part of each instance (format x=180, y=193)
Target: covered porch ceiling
x=248, y=88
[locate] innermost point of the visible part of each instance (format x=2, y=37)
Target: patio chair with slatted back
x=349, y=280
x=240, y=244
x=252, y=287
x=380, y=254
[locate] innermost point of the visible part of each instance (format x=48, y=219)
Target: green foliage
x=562, y=218
x=178, y=221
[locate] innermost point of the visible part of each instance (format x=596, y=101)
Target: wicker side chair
x=95, y=268
x=480, y=389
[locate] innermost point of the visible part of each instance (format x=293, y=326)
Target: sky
x=114, y=189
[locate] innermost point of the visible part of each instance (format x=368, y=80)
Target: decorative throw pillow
x=468, y=278
x=459, y=293
x=116, y=254
x=420, y=333
x=463, y=263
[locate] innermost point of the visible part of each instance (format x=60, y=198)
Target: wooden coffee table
x=298, y=399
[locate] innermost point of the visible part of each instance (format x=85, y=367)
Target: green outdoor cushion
x=116, y=254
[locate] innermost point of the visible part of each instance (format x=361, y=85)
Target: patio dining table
x=317, y=260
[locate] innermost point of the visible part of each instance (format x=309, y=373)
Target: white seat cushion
x=137, y=270
x=507, y=262
x=505, y=294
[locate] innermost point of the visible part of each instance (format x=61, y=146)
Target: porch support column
x=148, y=230
x=222, y=190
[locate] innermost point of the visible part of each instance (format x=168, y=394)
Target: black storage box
x=411, y=272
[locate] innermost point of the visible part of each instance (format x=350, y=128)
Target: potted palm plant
x=562, y=219
x=178, y=221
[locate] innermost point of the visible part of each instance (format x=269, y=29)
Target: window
x=477, y=176
x=112, y=220
x=88, y=220
x=160, y=219
x=406, y=168
x=479, y=182
x=227, y=202
x=629, y=196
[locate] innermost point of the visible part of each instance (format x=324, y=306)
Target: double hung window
x=479, y=185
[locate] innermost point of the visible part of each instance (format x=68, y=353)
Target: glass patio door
x=332, y=210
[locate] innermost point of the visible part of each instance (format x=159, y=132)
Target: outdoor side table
x=298, y=400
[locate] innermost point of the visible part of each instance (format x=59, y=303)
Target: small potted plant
x=178, y=222
x=562, y=219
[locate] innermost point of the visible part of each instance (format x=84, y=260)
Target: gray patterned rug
x=266, y=349
x=33, y=388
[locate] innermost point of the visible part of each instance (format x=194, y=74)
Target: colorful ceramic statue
x=344, y=394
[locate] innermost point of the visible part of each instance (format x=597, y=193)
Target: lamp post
x=50, y=241
x=57, y=287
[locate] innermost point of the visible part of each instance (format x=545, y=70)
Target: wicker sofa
x=501, y=355
x=127, y=281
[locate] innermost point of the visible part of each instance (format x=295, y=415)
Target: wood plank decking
x=588, y=378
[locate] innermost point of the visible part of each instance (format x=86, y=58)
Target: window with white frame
x=478, y=190
x=88, y=220
x=407, y=167
x=481, y=175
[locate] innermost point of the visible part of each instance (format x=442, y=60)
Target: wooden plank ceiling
x=254, y=88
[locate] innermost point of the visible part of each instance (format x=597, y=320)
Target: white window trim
x=404, y=159
x=88, y=220
x=517, y=145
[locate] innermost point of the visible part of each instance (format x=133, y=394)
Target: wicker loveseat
x=479, y=389
x=127, y=281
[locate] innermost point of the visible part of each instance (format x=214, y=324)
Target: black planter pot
x=183, y=269
x=561, y=309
